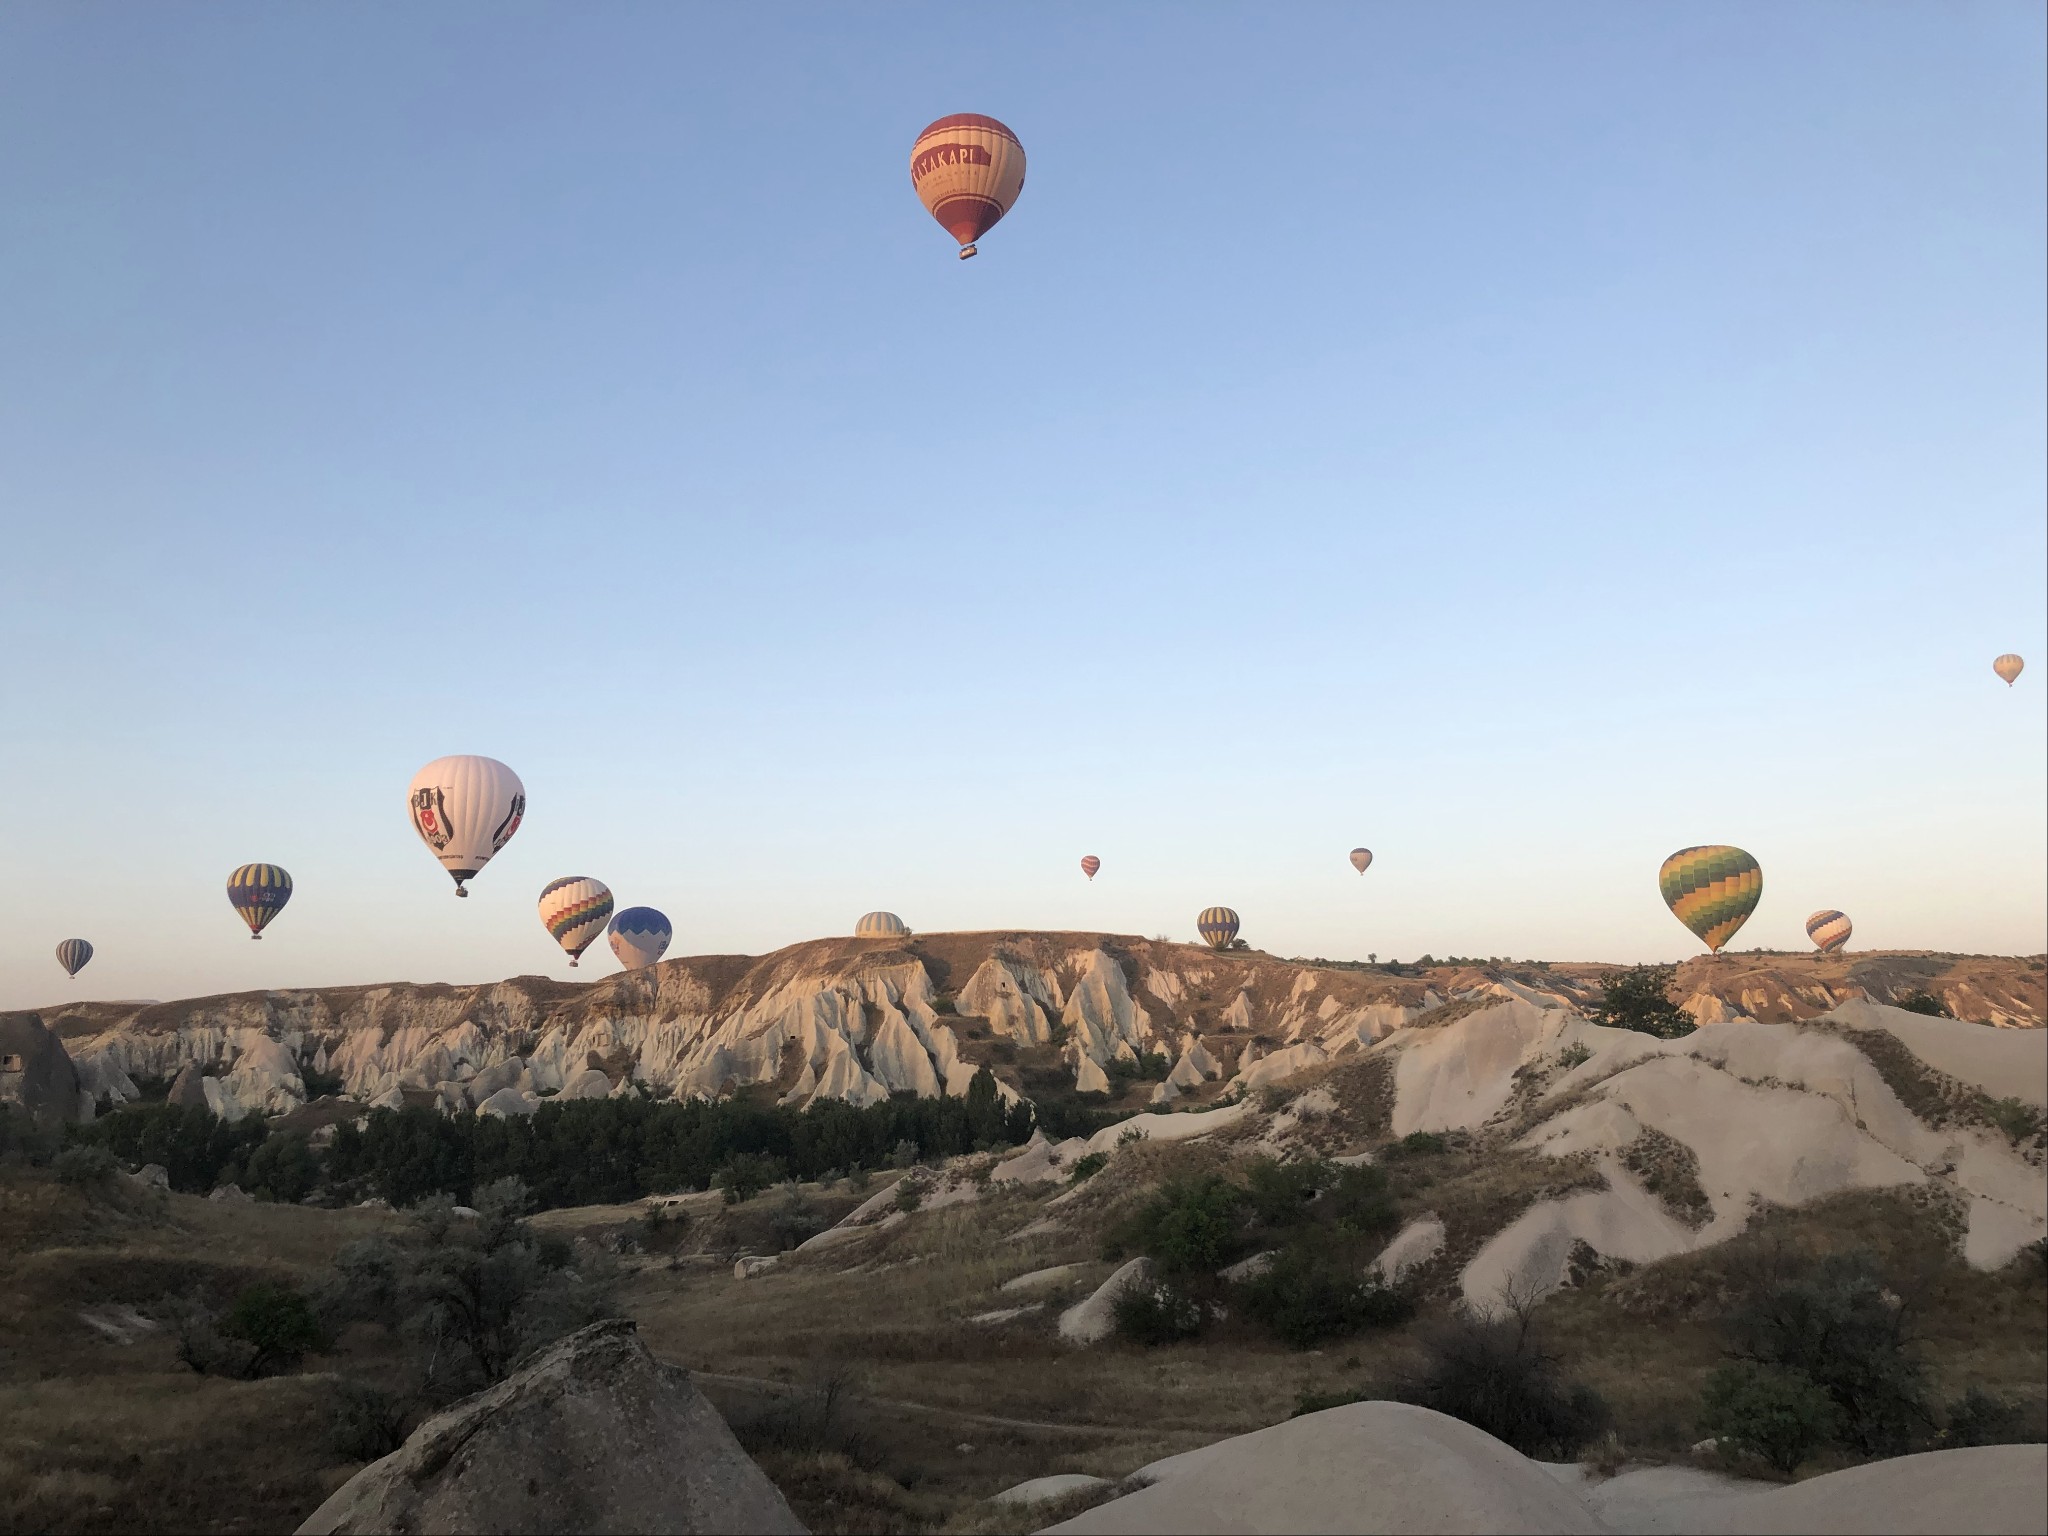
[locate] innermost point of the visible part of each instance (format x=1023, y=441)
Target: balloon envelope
x=1360, y=858
x=258, y=893
x=465, y=809
x=575, y=910
x=881, y=925
x=1217, y=926
x=1711, y=889
x=72, y=955
x=2009, y=667
x=1090, y=864
x=967, y=170
x=1829, y=930
x=638, y=936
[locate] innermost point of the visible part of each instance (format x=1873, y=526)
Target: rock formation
x=36, y=1073
x=595, y=1435
x=861, y=1019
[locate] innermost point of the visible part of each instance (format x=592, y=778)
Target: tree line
x=584, y=1152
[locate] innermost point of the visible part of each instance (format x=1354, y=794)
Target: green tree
x=1638, y=998
x=1924, y=1002
x=1191, y=1226
x=278, y=1324
x=282, y=1168
x=1777, y=1414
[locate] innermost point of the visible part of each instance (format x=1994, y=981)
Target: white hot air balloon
x=465, y=809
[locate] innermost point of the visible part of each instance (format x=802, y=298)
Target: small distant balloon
x=639, y=935
x=465, y=809
x=258, y=893
x=72, y=955
x=1217, y=926
x=2009, y=667
x=1711, y=889
x=1361, y=859
x=1090, y=864
x=575, y=910
x=1829, y=930
x=881, y=925
x=967, y=171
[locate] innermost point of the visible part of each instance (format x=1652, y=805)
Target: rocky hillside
x=859, y=1019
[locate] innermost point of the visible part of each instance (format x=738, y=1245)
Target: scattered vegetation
x=195, y=1147
x=1490, y=1373
x=1923, y=1002
x=1670, y=1170
x=1639, y=998
x=1087, y=1166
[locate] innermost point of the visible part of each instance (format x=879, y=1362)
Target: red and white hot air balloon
x=967, y=170
x=1090, y=864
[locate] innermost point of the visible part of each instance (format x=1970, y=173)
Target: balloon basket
x=966, y=251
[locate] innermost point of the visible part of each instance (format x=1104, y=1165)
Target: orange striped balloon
x=967, y=170
x=2008, y=667
x=1090, y=864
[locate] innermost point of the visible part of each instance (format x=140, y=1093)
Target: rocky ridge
x=860, y=1019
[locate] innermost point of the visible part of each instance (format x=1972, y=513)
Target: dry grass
x=1939, y=1099
x=1670, y=1170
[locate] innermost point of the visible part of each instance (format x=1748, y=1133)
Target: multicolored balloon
x=575, y=910
x=967, y=170
x=258, y=893
x=72, y=955
x=638, y=936
x=1090, y=864
x=881, y=925
x=1361, y=859
x=1711, y=889
x=1217, y=926
x=2009, y=667
x=1829, y=931
x=465, y=809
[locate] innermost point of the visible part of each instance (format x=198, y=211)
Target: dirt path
x=961, y=1415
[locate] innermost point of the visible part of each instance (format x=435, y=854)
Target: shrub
x=744, y=1175
x=282, y=1168
x=364, y=1422
x=1492, y=1376
x=1279, y=1193
x=1087, y=1167
x=1305, y=1298
x=1420, y=1144
x=1191, y=1226
x=1156, y=1313
x=1923, y=1002
x=86, y=1166
x=1637, y=998
x=794, y=1218
x=909, y=1195
x=1978, y=1418
x=278, y=1324
x=1358, y=1201
x=904, y=1154
x=1779, y=1415
x=1844, y=1329
x=1574, y=1056
x=2017, y=1118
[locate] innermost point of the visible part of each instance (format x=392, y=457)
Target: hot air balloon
x=575, y=910
x=967, y=170
x=72, y=955
x=1829, y=931
x=465, y=809
x=258, y=893
x=2008, y=667
x=881, y=925
x=1217, y=926
x=638, y=936
x=1712, y=890
x=1090, y=864
x=1361, y=858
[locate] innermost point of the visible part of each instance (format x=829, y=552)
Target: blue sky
x=1524, y=440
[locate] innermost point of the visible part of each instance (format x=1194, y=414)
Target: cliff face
x=859, y=1019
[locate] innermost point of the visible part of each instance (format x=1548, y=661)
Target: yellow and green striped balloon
x=258, y=893
x=1712, y=890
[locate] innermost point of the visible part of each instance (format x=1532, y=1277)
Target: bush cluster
x=1316, y=1223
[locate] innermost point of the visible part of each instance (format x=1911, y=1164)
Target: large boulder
x=594, y=1435
x=36, y=1074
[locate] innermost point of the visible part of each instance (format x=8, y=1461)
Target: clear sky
x=1522, y=439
